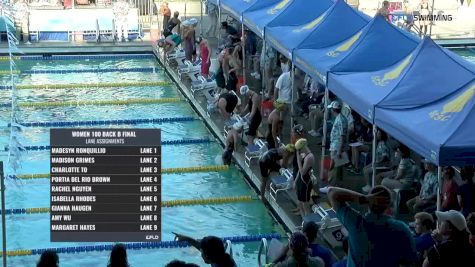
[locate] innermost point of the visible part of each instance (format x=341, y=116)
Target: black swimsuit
x=304, y=185
x=231, y=101
x=255, y=120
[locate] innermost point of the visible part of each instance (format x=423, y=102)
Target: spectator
x=316, y=116
x=298, y=244
x=369, y=234
x=205, y=55
x=303, y=182
x=338, y=143
x=177, y=263
x=424, y=17
x=121, y=15
x=466, y=191
x=384, y=11
x=424, y=224
x=21, y=18
x=172, y=24
x=471, y=228
x=449, y=191
x=166, y=13
x=284, y=63
x=118, y=257
x=230, y=34
x=453, y=247
x=310, y=229
x=428, y=195
x=254, y=108
x=343, y=262
x=272, y=160
x=232, y=140
x=314, y=92
x=213, y=19
x=283, y=94
x=404, y=177
x=212, y=250
x=361, y=140
x=48, y=258
x=382, y=159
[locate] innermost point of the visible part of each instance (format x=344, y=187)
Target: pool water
x=468, y=54
x=32, y=231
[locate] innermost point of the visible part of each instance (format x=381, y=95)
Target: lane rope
x=86, y=85
x=97, y=102
x=166, y=142
x=165, y=204
x=211, y=168
x=137, y=246
x=103, y=122
x=92, y=70
x=76, y=57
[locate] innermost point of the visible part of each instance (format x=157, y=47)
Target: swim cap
x=301, y=143
x=290, y=148
x=244, y=89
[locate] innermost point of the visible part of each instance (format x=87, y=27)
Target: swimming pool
x=468, y=54
x=30, y=231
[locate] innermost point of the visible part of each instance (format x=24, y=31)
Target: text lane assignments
x=105, y=185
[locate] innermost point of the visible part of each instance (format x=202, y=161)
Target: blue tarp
x=340, y=22
x=236, y=7
x=377, y=46
x=264, y=11
x=214, y=2
x=295, y=23
x=389, y=97
x=337, y=24
x=428, y=63
x=441, y=131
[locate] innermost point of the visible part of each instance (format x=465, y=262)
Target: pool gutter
x=254, y=182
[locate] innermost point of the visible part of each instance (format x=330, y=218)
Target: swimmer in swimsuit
x=170, y=42
x=227, y=102
x=303, y=183
x=231, y=142
x=272, y=160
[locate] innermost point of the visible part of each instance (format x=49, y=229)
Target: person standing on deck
x=166, y=13
x=21, y=15
x=121, y=12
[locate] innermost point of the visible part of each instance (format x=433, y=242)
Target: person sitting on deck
x=212, y=250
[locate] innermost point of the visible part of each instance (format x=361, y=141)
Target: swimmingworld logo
x=438, y=17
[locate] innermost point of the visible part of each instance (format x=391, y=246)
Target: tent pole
x=263, y=54
x=4, y=226
x=243, y=51
x=201, y=17
x=324, y=139
x=292, y=74
x=219, y=24
x=439, y=188
x=373, y=157
x=431, y=22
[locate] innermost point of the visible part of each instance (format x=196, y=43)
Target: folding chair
x=280, y=183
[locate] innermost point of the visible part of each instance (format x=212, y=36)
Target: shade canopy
x=264, y=11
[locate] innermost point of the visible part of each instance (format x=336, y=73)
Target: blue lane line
x=94, y=70
x=76, y=57
x=103, y=122
x=166, y=142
